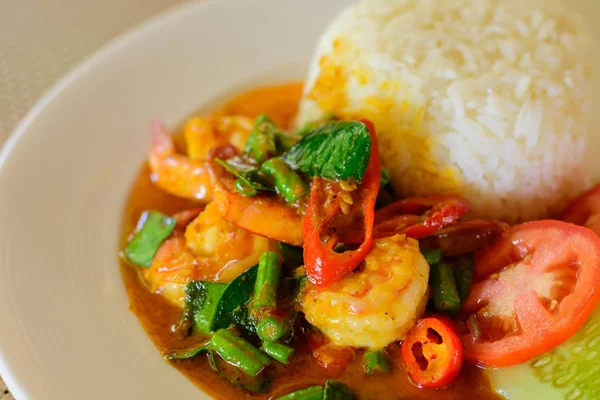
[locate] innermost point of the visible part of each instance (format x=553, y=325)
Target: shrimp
x=376, y=304
x=188, y=176
x=211, y=249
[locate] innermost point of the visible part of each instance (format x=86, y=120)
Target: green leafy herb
x=309, y=127
x=153, y=228
x=183, y=354
x=201, y=301
x=336, y=150
x=233, y=305
x=249, y=176
x=336, y=390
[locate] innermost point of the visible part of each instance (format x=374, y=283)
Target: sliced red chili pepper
x=419, y=217
x=323, y=265
x=432, y=352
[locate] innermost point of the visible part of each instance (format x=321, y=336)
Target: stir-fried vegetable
x=288, y=184
x=376, y=361
x=432, y=352
x=278, y=351
x=153, y=228
x=432, y=256
x=201, y=303
x=336, y=150
x=445, y=295
x=237, y=376
x=261, y=143
x=238, y=352
x=463, y=276
x=333, y=390
x=323, y=264
x=249, y=180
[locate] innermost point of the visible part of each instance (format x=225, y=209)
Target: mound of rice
x=487, y=98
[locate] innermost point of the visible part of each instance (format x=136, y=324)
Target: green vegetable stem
x=445, y=295
x=278, y=351
x=238, y=352
x=432, y=256
x=261, y=142
x=463, y=275
x=288, y=183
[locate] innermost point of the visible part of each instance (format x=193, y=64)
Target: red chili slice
x=432, y=352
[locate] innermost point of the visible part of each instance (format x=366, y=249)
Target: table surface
x=41, y=40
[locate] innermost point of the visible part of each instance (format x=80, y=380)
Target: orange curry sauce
x=157, y=315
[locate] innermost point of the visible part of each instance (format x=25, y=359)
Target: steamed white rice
x=487, y=98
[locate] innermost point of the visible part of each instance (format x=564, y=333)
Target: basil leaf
x=183, y=354
x=248, y=175
x=336, y=390
x=336, y=150
x=201, y=301
x=152, y=230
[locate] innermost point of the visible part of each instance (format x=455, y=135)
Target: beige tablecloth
x=41, y=40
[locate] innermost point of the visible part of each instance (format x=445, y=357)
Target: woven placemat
x=41, y=40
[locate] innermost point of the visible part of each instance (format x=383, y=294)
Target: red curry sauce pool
x=157, y=315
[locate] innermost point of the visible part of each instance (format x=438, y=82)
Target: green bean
x=238, y=352
x=267, y=280
x=245, y=189
x=310, y=393
x=278, y=351
x=272, y=328
x=463, y=275
x=288, y=183
x=432, y=256
x=261, y=142
x=376, y=361
x=445, y=295
x=153, y=228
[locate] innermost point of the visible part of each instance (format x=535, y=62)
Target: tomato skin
x=546, y=255
x=444, y=359
x=585, y=210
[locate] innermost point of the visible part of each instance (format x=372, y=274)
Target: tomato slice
x=532, y=290
x=262, y=215
x=432, y=352
x=585, y=210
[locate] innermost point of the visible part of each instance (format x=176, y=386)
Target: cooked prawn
x=377, y=304
x=187, y=176
x=211, y=249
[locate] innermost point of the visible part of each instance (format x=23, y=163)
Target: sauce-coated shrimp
x=375, y=304
x=211, y=249
x=187, y=176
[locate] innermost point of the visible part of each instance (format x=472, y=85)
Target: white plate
x=66, y=332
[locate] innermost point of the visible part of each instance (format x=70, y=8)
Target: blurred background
x=41, y=40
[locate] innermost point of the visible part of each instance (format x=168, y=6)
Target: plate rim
x=15, y=386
